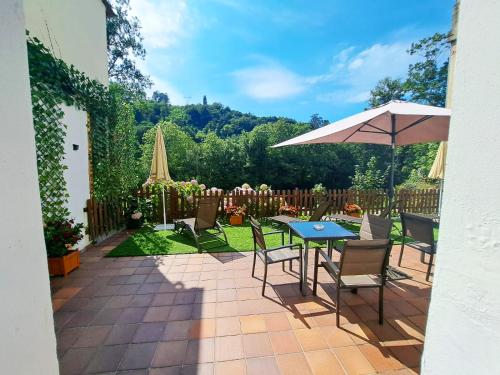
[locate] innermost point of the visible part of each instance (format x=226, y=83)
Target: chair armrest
x=284, y=247
x=328, y=260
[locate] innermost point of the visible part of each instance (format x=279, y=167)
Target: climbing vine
x=54, y=83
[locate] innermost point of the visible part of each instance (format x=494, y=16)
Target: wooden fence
x=261, y=204
x=108, y=216
x=104, y=218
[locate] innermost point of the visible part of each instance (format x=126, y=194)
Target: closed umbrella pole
x=159, y=172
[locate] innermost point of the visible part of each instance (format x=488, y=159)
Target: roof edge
x=109, y=9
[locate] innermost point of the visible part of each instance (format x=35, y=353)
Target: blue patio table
x=308, y=232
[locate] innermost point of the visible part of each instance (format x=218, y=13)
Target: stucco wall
x=27, y=339
x=76, y=176
x=463, y=330
x=75, y=31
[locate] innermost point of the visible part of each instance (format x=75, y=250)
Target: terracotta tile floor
x=204, y=314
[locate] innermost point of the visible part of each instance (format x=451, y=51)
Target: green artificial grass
x=146, y=241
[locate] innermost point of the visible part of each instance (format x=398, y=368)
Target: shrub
x=61, y=236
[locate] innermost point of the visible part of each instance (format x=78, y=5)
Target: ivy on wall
x=53, y=83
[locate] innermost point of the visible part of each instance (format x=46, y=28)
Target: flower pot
x=236, y=219
x=61, y=266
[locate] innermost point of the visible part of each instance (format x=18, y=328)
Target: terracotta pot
x=61, y=266
x=236, y=219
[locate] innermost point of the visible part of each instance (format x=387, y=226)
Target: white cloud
x=355, y=74
x=163, y=22
x=270, y=81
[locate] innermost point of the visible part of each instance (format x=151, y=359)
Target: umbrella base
x=160, y=227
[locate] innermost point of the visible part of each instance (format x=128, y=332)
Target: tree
x=368, y=178
x=317, y=121
x=387, y=89
x=124, y=47
x=160, y=97
x=427, y=79
x=205, y=102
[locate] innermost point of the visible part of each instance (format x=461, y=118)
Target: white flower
x=203, y=186
x=189, y=198
x=136, y=215
x=194, y=182
x=246, y=186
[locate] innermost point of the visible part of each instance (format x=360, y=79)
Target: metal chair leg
x=337, y=307
x=253, y=266
x=316, y=266
x=429, y=268
x=265, y=279
x=401, y=254
x=381, y=305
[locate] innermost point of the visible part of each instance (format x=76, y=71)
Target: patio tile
x=284, y=342
x=170, y=353
x=106, y=316
x=324, y=362
x=141, y=300
x=293, y=364
x=106, y=359
x=67, y=337
x=76, y=360
x=408, y=355
x=156, y=314
x=132, y=315
x=121, y=334
x=138, y=356
x=261, y=366
x=226, y=309
x=202, y=328
x=200, y=351
x=252, y=324
x=173, y=370
x=203, y=310
x=184, y=298
x=92, y=336
x=149, y=332
x=198, y=369
x=228, y=348
x=81, y=318
x=163, y=299
x=336, y=337
x=257, y=345
x=353, y=361
x=237, y=367
x=180, y=312
x=177, y=330
x=381, y=359
x=310, y=339
x=227, y=326
x=118, y=302
x=277, y=322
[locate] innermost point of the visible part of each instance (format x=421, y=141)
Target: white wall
x=27, y=338
x=463, y=330
x=75, y=31
x=77, y=174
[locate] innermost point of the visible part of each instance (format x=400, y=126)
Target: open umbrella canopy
x=159, y=165
x=397, y=122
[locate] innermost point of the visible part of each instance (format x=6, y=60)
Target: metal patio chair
x=363, y=264
x=421, y=230
x=206, y=219
x=278, y=254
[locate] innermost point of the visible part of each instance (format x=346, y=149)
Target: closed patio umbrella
x=393, y=124
x=438, y=168
x=159, y=172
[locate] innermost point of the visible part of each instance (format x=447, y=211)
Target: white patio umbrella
x=395, y=123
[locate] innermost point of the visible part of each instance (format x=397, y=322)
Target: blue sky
x=289, y=58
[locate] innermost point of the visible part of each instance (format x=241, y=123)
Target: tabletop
x=331, y=231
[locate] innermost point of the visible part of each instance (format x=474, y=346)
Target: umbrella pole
x=393, y=153
x=164, y=210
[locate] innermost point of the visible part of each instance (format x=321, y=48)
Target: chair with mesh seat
x=278, y=254
x=205, y=220
x=363, y=264
x=373, y=227
x=420, y=229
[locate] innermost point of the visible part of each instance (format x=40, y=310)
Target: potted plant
x=288, y=210
x=60, y=238
x=352, y=209
x=236, y=213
